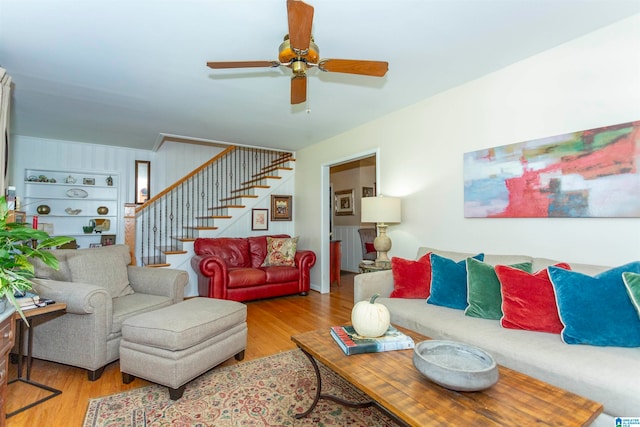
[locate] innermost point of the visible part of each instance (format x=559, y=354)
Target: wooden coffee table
x=391, y=381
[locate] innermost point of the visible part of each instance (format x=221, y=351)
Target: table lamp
x=381, y=210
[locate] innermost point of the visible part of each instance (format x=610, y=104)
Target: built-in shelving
x=73, y=199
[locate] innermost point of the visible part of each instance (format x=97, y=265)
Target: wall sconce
x=381, y=210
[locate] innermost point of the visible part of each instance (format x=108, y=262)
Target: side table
x=33, y=315
x=7, y=336
x=371, y=268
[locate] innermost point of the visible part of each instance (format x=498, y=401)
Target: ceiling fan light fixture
x=299, y=52
x=299, y=67
x=287, y=53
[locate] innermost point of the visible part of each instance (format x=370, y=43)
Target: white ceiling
x=124, y=72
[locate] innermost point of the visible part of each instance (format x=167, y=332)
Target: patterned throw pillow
x=411, y=279
x=281, y=251
x=596, y=310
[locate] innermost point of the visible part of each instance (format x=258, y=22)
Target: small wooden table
x=32, y=315
x=372, y=268
x=392, y=382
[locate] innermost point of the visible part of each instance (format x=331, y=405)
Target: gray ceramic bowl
x=454, y=365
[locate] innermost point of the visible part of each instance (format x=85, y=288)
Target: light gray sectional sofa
x=608, y=375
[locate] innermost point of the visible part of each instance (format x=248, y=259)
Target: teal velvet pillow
x=449, y=282
x=632, y=283
x=596, y=310
x=483, y=289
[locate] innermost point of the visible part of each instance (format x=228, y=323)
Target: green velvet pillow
x=632, y=283
x=483, y=289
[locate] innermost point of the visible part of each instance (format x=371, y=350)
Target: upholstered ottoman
x=175, y=344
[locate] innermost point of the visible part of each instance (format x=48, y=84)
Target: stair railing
x=160, y=225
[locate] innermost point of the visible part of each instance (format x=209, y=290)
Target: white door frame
x=325, y=216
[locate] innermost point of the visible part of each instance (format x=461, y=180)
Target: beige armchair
x=101, y=290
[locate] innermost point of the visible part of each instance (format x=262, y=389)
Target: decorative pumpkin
x=369, y=318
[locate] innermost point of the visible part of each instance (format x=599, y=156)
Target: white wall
x=174, y=160
x=590, y=82
x=166, y=165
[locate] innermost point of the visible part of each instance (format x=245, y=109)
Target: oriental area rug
x=262, y=392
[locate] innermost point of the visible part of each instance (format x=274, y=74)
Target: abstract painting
x=591, y=173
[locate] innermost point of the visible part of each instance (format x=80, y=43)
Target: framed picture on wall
x=344, y=202
x=281, y=208
x=367, y=192
x=107, y=239
x=259, y=219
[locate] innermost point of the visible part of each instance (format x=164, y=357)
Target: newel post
x=130, y=229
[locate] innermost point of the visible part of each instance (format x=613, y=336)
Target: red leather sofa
x=231, y=268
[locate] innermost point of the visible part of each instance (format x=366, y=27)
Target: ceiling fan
x=299, y=53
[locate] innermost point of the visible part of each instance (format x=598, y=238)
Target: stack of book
x=352, y=343
x=27, y=300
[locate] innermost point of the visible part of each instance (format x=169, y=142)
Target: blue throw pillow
x=596, y=310
x=449, y=282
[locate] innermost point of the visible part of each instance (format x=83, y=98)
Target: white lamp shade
x=380, y=209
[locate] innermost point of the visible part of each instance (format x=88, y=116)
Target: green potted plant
x=19, y=242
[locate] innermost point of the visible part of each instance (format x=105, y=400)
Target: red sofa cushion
x=280, y=274
x=244, y=277
x=235, y=251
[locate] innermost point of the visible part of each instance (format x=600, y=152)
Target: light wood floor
x=271, y=323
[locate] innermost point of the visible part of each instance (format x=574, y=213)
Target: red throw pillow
x=528, y=300
x=411, y=279
x=369, y=247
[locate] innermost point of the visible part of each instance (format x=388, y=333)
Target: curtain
x=5, y=98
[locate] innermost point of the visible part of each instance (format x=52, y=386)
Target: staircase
x=214, y=200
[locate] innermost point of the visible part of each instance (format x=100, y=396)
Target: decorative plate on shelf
x=77, y=192
x=73, y=211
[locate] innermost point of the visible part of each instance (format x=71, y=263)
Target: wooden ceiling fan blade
x=298, y=89
x=242, y=64
x=300, y=17
x=353, y=66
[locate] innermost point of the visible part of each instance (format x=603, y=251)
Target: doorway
x=344, y=182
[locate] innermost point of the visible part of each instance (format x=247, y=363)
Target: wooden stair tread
x=261, y=178
x=168, y=250
x=185, y=239
x=151, y=261
x=251, y=187
x=283, y=160
x=239, y=196
x=274, y=168
x=204, y=227
x=228, y=207
x=215, y=217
